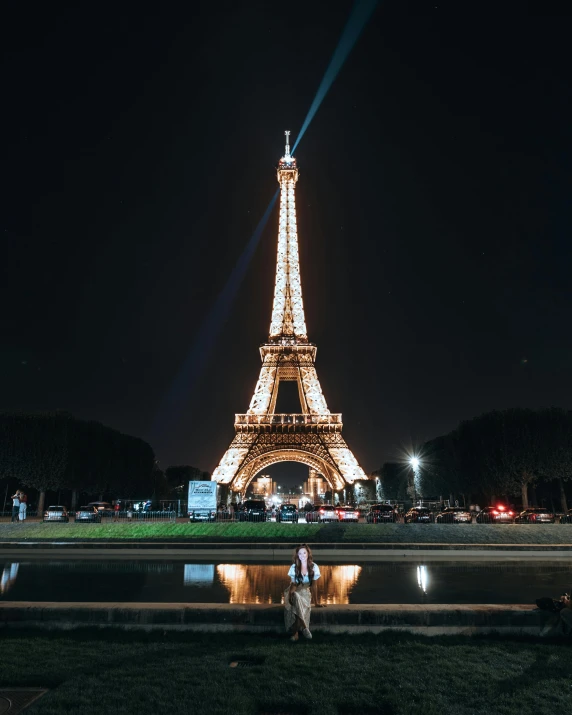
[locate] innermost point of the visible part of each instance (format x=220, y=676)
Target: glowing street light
x=415, y=463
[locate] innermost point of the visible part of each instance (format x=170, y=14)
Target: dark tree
x=394, y=480
x=34, y=450
x=363, y=490
x=178, y=478
x=56, y=451
x=501, y=452
x=557, y=449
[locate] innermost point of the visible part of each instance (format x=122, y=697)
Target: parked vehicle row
x=499, y=514
x=255, y=510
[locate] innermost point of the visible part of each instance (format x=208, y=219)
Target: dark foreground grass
x=392, y=673
x=557, y=534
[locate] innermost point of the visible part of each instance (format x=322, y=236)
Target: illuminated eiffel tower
x=314, y=436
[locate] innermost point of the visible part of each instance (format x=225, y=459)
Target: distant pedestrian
x=129, y=511
x=15, y=506
x=23, y=506
x=116, y=509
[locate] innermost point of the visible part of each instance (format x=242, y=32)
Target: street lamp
x=415, y=463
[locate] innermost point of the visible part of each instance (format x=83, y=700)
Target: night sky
x=139, y=153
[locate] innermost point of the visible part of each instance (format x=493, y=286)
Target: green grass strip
x=212, y=532
x=522, y=534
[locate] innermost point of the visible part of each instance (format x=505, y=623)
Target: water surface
x=223, y=582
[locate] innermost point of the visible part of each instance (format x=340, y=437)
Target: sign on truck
x=202, y=501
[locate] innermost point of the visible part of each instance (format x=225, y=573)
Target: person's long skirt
x=301, y=607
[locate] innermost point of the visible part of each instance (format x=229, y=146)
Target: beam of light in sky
x=361, y=12
x=177, y=397
x=199, y=354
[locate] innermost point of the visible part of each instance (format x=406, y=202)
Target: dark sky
x=434, y=210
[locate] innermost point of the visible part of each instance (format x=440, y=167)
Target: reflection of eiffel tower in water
x=313, y=436
x=254, y=583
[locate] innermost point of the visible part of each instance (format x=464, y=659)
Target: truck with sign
x=202, y=501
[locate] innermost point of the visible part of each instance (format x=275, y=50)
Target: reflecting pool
x=264, y=583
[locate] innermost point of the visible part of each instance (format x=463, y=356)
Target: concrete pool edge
x=430, y=619
x=283, y=555
x=246, y=547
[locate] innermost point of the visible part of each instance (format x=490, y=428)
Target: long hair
x=298, y=564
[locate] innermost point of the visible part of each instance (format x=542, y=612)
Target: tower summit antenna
x=287, y=152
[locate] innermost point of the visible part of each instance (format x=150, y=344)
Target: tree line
x=56, y=451
x=500, y=453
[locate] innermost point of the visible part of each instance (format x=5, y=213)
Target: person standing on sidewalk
x=15, y=506
x=23, y=506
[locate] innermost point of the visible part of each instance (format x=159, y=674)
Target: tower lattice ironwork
x=313, y=436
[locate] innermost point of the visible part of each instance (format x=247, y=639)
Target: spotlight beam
x=361, y=12
x=212, y=325
x=183, y=384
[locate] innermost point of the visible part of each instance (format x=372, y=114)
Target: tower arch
x=275, y=456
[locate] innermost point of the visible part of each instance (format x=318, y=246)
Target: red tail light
x=321, y=511
x=494, y=511
x=511, y=513
x=501, y=508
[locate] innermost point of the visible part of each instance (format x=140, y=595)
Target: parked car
x=348, y=513
x=313, y=515
x=103, y=507
x=566, y=518
x=252, y=510
x=535, y=515
x=454, y=515
x=327, y=512
x=56, y=513
x=88, y=514
x=495, y=515
x=381, y=514
x=287, y=512
x=419, y=515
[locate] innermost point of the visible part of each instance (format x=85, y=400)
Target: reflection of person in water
x=8, y=577
x=298, y=596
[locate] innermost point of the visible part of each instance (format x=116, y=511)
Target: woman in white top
x=298, y=596
x=23, y=506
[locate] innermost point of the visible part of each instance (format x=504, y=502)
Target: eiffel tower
x=314, y=436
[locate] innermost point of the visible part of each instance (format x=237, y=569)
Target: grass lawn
x=460, y=533
x=116, y=672
x=238, y=531
x=312, y=533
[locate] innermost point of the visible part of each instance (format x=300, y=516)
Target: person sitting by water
x=298, y=596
